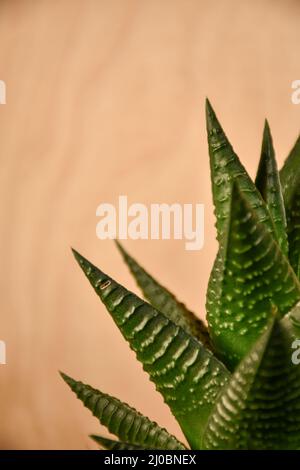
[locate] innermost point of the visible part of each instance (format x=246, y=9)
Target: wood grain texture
x=106, y=97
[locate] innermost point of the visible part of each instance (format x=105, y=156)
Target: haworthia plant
x=234, y=384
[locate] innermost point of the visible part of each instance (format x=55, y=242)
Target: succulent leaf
x=187, y=375
x=290, y=181
x=122, y=420
x=225, y=168
x=164, y=301
x=294, y=232
x=268, y=183
x=290, y=174
x=255, y=272
x=291, y=321
x=259, y=407
x=110, y=444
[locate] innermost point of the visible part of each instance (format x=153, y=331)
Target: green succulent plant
x=233, y=384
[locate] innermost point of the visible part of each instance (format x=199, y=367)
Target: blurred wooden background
x=106, y=97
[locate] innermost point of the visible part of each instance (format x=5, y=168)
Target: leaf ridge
x=122, y=420
x=164, y=301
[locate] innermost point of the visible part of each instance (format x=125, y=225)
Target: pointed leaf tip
x=268, y=183
x=211, y=118
x=110, y=444
x=122, y=420
x=225, y=167
x=266, y=125
x=208, y=106
x=75, y=253
x=267, y=137
x=67, y=379
x=81, y=260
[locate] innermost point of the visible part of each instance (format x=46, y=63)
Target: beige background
x=106, y=97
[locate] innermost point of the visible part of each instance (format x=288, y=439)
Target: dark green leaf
x=122, y=420
x=259, y=407
x=293, y=217
x=254, y=272
x=290, y=181
x=226, y=167
x=110, y=444
x=268, y=183
x=161, y=299
x=187, y=375
x=290, y=174
x=292, y=321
